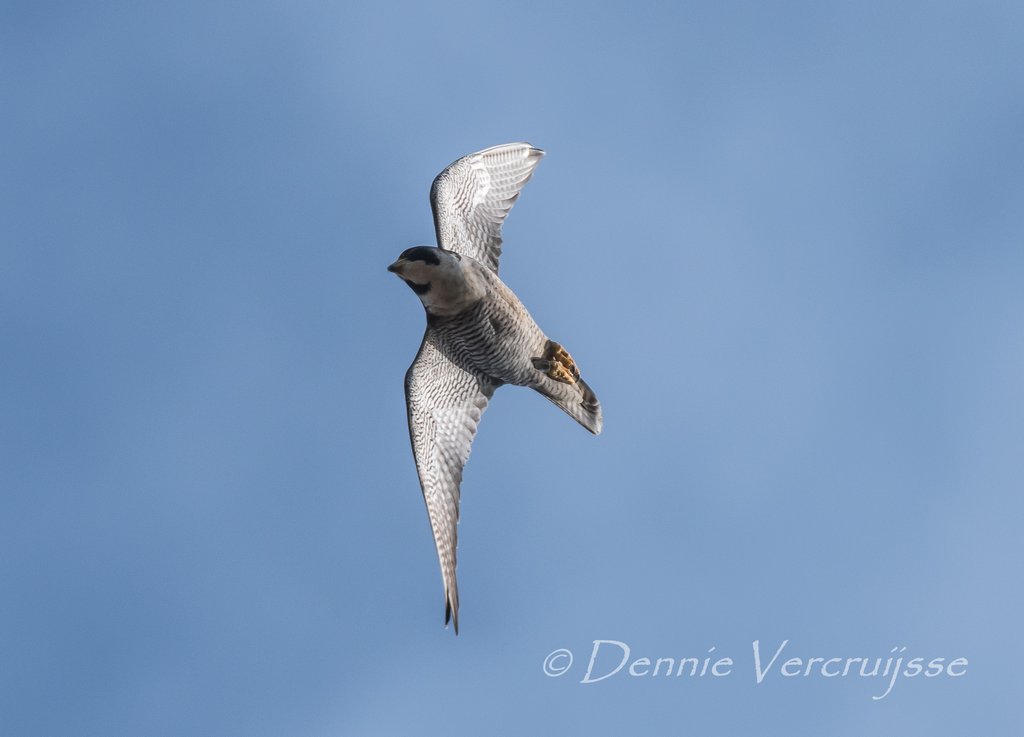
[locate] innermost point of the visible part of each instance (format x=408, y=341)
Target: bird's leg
x=557, y=364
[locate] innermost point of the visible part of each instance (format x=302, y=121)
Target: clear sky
x=784, y=242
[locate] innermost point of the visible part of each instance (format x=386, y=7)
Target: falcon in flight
x=479, y=336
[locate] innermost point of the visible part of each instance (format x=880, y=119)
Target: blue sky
x=785, y=243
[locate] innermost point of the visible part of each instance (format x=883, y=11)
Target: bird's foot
x=558, y=364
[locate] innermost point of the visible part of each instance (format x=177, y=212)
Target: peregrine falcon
x=479, y=336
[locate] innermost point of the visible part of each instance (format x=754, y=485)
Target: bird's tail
x=562, y=384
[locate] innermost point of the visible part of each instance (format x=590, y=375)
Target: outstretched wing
x=445, y=403
x=471, y=198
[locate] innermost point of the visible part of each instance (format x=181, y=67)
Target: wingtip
x=451, y=615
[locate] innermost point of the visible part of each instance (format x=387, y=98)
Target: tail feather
x=577, y=400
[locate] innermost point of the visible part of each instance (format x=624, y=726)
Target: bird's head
x=420, y=266
x=436, y=275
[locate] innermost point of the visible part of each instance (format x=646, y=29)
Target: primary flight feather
x=479, y=336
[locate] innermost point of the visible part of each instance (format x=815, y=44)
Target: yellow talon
x=562, y=367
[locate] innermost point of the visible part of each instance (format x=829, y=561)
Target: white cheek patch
x=420, y=272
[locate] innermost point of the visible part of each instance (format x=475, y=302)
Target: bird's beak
x=396, y=268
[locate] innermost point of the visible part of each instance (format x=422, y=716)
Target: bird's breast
x=492, y=339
